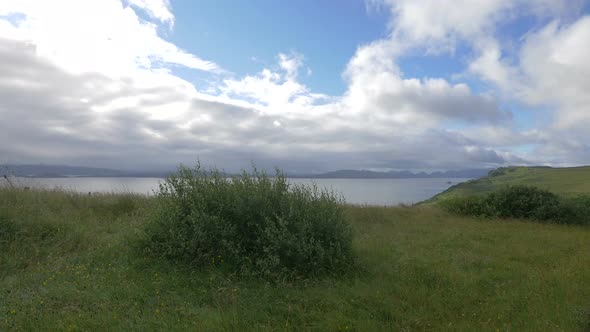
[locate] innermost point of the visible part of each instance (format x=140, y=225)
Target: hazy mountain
x=76, y=171
x=363, y=174
x=52, y=171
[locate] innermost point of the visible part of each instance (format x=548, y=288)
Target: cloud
x=274, y=91
x=437, y=25
x=385, y=95
x=551, y=72
x=291, y=64
x=106, y=95
x=377, y=85
x=548, y=70
x=97, y=36
x=158, y=9
x=93, y=119
x=554, y=62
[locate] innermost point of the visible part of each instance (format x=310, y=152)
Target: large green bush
x=523, y=202
x=250, y=224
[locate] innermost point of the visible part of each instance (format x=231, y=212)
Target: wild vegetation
x=251, y=224
x=73, y=262
x=523, y=202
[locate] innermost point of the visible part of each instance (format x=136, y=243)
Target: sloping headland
x=562, y=181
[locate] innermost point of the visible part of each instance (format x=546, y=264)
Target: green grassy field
x=69, y=262
x=565, y=181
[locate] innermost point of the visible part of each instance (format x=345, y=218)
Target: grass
x=68, y=262
x=562, y=181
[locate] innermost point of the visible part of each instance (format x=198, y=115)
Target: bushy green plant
x=501, y=171
x=576, y=210
x=523, y=202
x=249, y=224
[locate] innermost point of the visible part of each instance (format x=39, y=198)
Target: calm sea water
x=354, y=191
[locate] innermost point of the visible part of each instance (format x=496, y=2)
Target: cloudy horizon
x=374, y=84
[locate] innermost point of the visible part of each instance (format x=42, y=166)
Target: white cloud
x=377, y=89
x=555, y=63
x=274, y=92
x=291, y=64
x=96, y=36
x=437, y=25
x=377, y=86
x=489, y=64
x=158, y=9
x=551, y=72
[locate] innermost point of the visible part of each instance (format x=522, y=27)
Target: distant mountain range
x=55, y=171
x=60, y=171
x=353, y=174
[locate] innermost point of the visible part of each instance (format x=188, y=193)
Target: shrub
x=249, y=224
x=576, y=210
x=524, y=202
x=501, y=171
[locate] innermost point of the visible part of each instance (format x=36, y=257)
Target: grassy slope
x=68, y=263
x=558, y=180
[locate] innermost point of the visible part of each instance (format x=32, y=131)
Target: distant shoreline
x=230, y=175
x=64, y=171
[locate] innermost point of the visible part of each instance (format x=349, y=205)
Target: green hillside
x=563, y=181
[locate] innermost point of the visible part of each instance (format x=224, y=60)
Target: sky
x=307, y=86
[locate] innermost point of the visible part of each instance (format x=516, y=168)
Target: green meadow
x=72, y=262
x=562, y=181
